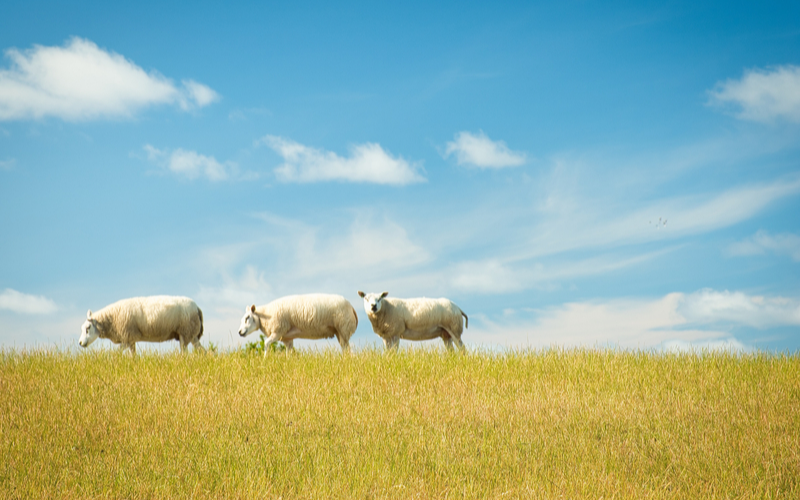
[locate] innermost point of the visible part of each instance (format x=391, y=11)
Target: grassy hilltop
x=412, y=425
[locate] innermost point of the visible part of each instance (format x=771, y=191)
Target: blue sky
x=514, y=157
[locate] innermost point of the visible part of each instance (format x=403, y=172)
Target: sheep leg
x=392, y=343
x=458, y=342
x=289, y=345
x=131, y=347
x=183, y=344
x=197, y=346
x=269, y=341
x=343, y=341
x=448, y=342
x=449, y=338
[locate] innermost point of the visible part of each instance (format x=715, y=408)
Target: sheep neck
x=378, y=318
x=105, y=327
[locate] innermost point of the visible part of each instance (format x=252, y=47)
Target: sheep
x=312, y=316
x=146, y=319
x=414, y=319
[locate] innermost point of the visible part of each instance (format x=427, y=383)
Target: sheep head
x=372, y=301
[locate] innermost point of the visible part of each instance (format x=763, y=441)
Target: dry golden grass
x=553, y=424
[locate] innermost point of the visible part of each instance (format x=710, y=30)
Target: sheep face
x=250, y=322
x=89, y=331
x=372, y=301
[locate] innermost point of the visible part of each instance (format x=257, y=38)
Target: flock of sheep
x=313, y=316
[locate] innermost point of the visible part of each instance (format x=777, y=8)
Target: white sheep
x=414, y=319
x=146, y=319
x=312, y=316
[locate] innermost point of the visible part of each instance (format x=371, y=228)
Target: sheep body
x=414, y=319
x=146, y=319
x=310, y=316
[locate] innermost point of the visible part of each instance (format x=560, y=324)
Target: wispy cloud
x=496, y=276
x=710, y=306
x=296, y=257
x=368, y=247
x=586, y=224
x=479, y=151
x=80, y=81
x=190, y=164
x=763, y=242
x=237, y=292
x=366, y=163
x=676, y=321
x=7, y=164
x=196, y=94
x=23, y=303
x=762, y=95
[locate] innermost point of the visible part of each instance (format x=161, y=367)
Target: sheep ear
x=384, y=294
x=89, y=314
x=361, y=294
x=253, y=308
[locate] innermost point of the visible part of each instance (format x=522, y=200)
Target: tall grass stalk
x=421, y=424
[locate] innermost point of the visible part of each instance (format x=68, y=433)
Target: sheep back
x=316, y=315
x=151, y=319
x=416, y=313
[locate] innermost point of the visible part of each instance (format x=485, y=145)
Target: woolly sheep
x=414, y=319
x=146, y=319
x=312, y=316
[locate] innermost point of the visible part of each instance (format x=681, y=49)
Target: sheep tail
x=466, y=322
x=200, y=313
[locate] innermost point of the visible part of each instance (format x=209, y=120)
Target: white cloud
x=197, y=94
x=762, y=241
x=480, y=151
x=710, y=306
x=677, y=321
x=367, y=163
x=718, y=345
x=628, y=323
x=190, y=164
x=7, y=164
x=22, y=303
x=80, y=81
x=60, y=330
x=763, y=94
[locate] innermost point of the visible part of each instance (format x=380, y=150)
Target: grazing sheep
x=146, y=319
x=312, y=316
x=414, y=319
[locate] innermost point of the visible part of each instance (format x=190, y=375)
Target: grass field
x=421, y=424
